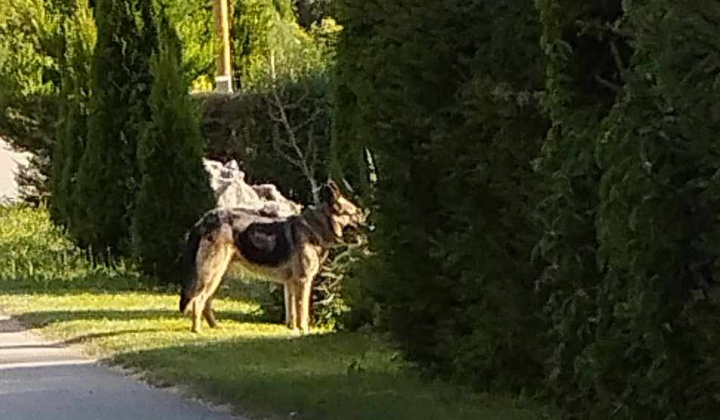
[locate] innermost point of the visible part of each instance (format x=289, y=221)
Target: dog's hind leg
x=198, y=306
x=213, y=258
x=209, y=313
x=221, y=261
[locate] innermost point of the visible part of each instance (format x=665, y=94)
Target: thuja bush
x=450, y=119
x=654, y=354
x=582, y=80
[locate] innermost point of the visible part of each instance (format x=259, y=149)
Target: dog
x=287, y=250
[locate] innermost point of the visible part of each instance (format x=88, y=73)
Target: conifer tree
x=174, y=188
x=79, y=30
x=108, y=175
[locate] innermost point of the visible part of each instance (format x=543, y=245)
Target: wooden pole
x=223, y=80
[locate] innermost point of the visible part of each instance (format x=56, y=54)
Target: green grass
x=259, y=368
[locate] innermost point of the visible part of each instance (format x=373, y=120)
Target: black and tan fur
x=288, y=250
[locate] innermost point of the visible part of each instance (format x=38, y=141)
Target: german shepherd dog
x=288, y=250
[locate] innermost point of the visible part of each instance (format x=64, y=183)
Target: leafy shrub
x=244, y=127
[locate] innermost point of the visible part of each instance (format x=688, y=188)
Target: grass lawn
x=259, y=368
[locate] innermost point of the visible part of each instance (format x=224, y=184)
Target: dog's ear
x=327, y=195
x=333, y=187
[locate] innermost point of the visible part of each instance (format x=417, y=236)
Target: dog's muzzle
x=358, y=219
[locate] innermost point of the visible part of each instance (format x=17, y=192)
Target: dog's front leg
x=287, y=301
x=303, y=304
x=293, y=288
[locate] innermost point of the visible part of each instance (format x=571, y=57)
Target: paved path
x=40, y=380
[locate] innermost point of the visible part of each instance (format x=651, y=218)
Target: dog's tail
x=188, y=265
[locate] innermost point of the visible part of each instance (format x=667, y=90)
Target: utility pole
x=223, y=80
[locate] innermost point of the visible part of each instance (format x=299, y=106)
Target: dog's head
x=343, y=212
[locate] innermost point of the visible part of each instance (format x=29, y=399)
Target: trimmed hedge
x=658, y=334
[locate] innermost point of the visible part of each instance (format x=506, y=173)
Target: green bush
x=174, y=188
x=656, y=342
x=442, y=96
x=578, y=41
x=107, y=180
x=71, y=135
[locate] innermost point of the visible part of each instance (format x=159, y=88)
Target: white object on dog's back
x=231, y=190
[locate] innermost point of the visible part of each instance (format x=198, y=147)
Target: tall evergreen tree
x=108, y=175
x=79, y=30
x=174, y=189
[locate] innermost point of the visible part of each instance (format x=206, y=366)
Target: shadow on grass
x=45, y=318
x=333, y=376
x=94, y=336
x=81, y=290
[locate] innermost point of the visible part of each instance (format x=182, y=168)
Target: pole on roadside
x=223, y=79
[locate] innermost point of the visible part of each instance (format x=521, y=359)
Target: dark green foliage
x=174, y=188
x=442, y=94
x=311, y=12
x=581, y=68
x=630, y=225
x=72, y=126
x=655, y=354
x=108, y=175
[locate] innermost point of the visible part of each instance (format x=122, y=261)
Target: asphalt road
x=40, y=380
